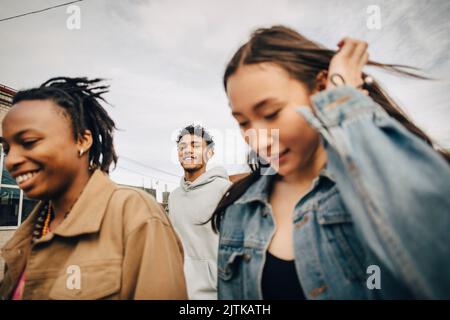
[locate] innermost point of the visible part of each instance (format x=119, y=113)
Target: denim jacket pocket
x=230, y=278
x=342, y=243
x=228, y=263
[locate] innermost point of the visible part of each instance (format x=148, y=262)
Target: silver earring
x=81, y=152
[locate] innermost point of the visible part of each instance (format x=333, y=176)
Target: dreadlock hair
x=304, y=59
x=199, y=131
x=80, y=99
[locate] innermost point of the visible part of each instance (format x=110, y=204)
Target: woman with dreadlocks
x=355, y=203
x=87, y=238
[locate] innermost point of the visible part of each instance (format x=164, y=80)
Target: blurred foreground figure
x=87, y=238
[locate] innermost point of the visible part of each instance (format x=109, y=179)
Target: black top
x=280, y=280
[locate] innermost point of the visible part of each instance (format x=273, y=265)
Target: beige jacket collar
x=87, y=213
x=85, y=217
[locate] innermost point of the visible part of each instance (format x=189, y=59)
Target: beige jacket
x=116, y=243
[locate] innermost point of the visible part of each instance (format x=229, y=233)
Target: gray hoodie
x=190, y=204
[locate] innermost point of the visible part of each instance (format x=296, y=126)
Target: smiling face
x=264, y=99
x=193, y=152
x=42, y=154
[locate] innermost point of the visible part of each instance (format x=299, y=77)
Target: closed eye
x=272, y=115
x=243, y=124
x=29, y=143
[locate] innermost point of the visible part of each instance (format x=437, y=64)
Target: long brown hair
x=304, y=59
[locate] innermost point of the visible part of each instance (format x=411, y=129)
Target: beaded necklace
x=46, y=228
x=41, y=227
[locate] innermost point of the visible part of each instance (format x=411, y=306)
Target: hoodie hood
x=207, y=177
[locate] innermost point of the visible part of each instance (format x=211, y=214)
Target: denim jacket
x=379, y=213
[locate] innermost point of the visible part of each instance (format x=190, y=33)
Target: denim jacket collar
x=260, y=190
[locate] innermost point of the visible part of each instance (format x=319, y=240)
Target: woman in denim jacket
x=355, y=202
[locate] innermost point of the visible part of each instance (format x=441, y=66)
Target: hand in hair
x=347, y=64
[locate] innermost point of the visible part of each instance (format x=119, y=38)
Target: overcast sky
x=165, y=59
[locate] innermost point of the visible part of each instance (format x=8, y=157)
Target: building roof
x=7, y=90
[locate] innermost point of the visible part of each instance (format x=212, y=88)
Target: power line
x=146, y=175
x=39, y=11
x=149, y=167
x=143, y=174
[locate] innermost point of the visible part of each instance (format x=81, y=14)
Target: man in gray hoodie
x=193, y=203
